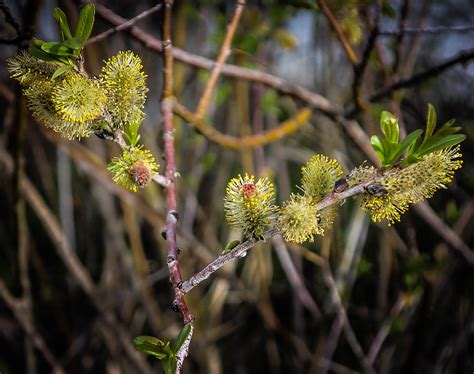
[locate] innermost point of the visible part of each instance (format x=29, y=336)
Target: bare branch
x=124, y=25
x=351, y=55
x=223, y=54
x=427, y=30
x=249, y=141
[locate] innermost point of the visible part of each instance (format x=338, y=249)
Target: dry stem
x=250, y=141
x=223, y=54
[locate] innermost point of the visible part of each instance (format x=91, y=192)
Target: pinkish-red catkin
x=141, y=173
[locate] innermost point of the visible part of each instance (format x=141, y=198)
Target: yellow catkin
x=249, y=205
x=319, y=175
x=125, y=83
x=78, y=99
x=299, y=220
x=412, y=184
x=134, y=168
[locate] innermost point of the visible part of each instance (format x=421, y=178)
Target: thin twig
x=250, y=141
x=351, y=55
x=296, y=282
x=359, y=69
x=385, y=329
x=348, y=330
x=223, y=54
x=399, y=40
x=124, y=25
x=427, y=30
x=462, y=58
x=447, y=233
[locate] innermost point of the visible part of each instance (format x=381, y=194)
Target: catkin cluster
x=299, y=219
x=76, y=105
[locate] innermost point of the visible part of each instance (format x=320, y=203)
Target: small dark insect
x=341, y=185
x=376, y=189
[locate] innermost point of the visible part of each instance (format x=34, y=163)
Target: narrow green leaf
x=85, y=23
x=56, y=48
x=61, y=70
x=152, y=346
x=445, y=142
x=40, y=54
x=169, y=365
x=131, y=132
x=430, y=123
x=73, y=44
x=182, y=336
x=38, y=42
x=389, y=126
x=406, y=143
x=61, y=19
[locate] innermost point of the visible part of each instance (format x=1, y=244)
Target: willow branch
x=123, y=26
x=351, y=55
x=223, y=54
x=241, y=249
x=250, y=141
x=166, y=106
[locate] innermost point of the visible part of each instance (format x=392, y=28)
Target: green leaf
x=57, y=48
x=378, y=147
x=389, y=126
x=40, y=54
x=169, y=365
x=85, y=23
x=73, y=44
x=38, y=42
x=445, y=142
x=153, y=346
x=406, y=143
x=61, y=19
x=61, y=70
x=131, y=132
x=430, y=123
x=183, y=335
